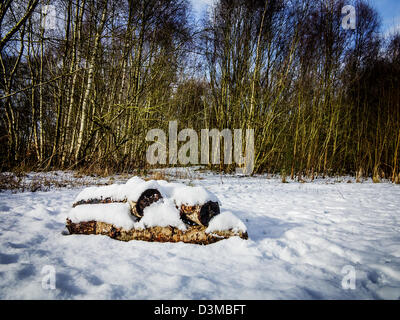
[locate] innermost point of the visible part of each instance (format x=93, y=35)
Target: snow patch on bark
x=226, y=221
x=118, y=214
x=162, y=213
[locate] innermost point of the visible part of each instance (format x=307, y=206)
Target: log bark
x=96, y=201
x=194, y=234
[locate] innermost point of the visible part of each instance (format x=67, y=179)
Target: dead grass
x=21, y=183
x=18, y=183
x=158, y=175
x=169, y=175
x=93, y=172
x=9, y=181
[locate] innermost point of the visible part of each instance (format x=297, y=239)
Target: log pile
x=196, y=218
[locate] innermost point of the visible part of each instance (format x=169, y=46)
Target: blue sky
x=390, y=13
x=388, y=9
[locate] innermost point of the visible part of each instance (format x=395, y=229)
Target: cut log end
x=208, y=211
x=146, y=199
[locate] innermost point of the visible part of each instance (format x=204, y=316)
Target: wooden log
x=194, y=234
x=199, y=214
x=88, y=227
x=148, y=197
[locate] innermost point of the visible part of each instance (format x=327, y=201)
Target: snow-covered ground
x=305, y=241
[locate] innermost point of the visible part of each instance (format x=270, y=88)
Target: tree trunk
x=90, y=82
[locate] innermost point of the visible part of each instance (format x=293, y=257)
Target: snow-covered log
x=197, y=205
x=147, y=197
x=161, y=221
x=152, y=211
x=194, y=234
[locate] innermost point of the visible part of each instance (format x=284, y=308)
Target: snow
x=192, y=195
x=134, y=191
x=134, y=187
x=134, y=181
x=226, y=221
x=302, y=237
x=118, y=214
x=162, y=213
